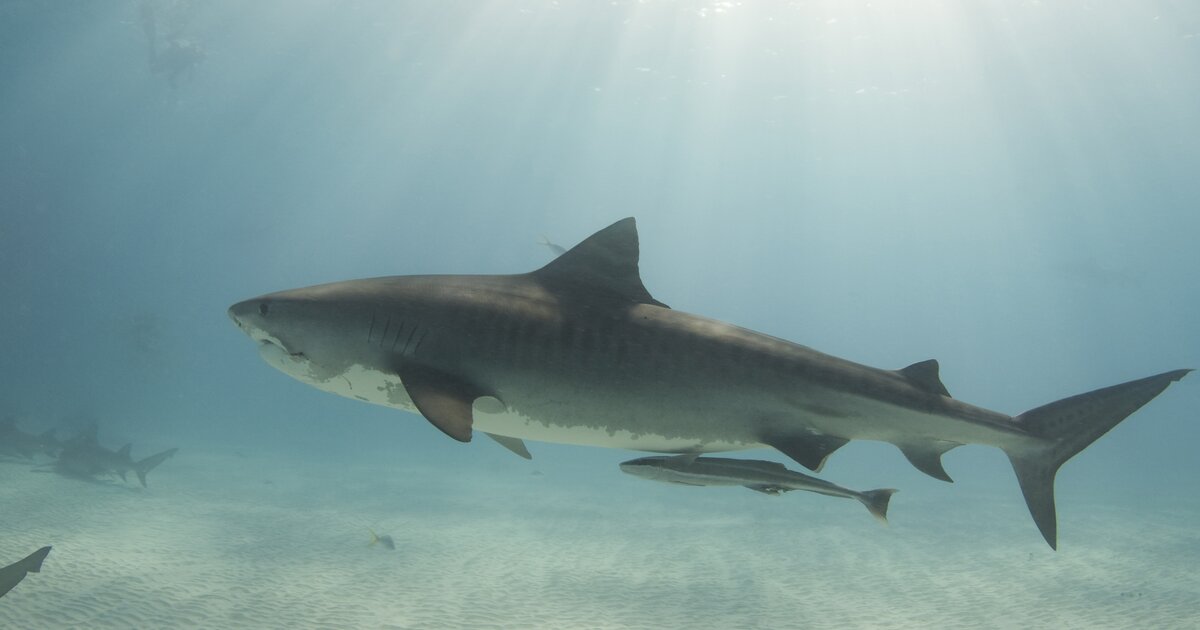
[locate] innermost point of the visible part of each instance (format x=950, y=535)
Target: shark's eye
x=263, y=308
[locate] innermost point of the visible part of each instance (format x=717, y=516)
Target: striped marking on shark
x=579, y=352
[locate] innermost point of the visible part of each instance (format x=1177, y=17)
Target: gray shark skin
x=578, y=352
x=12, y=574
x=755, y=474
x=84, y=457
x=15, y=442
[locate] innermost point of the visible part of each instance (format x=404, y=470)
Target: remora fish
x=82, y=456
x=12, y=574
x=756, y=474
x=578, y=352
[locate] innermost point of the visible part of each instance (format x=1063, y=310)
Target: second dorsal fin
x=924, y=375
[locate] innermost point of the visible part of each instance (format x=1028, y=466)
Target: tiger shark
x=579, y=352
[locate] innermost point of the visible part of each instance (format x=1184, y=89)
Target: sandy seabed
x=224, y=541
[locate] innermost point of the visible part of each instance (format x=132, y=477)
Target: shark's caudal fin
x=1069, y=426
x=877, y=502
x=148, y=464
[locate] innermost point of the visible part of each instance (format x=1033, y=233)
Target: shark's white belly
x=490, y=415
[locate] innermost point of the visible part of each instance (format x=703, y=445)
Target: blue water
x=1009, y=187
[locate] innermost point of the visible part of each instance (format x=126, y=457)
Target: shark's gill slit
x=396, y=339
x=386, y=327
x=371, y=330
x=404, y=350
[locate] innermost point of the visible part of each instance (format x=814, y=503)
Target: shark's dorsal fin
x=924, y=375
x=604, y=265
x=444, y=400
x=125, y=451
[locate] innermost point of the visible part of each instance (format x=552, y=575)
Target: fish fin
x=927, y=457
x=150, y=463
x=1068, y=426
x=33, y=562
x=768, y=489
x=604, y=265
x=516, y=445
x=924, y=376
x=125, y=451
x=444, y=400
x=374, y=537
x=877, y=502
x=809, y=450
x=687, y=458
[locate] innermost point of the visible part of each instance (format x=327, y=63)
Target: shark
x=579, y=352
x=14, y=441
x=759, y=475
x=12, y=574
x=83, y=456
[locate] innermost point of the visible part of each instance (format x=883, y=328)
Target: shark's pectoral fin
x=927, y=457
x=12, y=574
x=810, y=450
x=516, y=445
x=444, y=400
x=924, y=375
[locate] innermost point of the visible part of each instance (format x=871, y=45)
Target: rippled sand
x=225, y=541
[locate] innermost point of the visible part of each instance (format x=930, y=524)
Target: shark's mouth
x=294, y=364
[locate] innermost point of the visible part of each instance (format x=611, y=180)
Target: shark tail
x=150, y=463
x=877, y=502
x=1068, y=426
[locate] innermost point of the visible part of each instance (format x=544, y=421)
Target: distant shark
x=12, y=574
x=83, y=456
x=758, y=475
x=578, y=352
x=14, y=441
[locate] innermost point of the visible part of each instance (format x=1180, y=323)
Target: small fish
x=384, y=540
x=12, y=574
x=761, y=476
x=557, y=249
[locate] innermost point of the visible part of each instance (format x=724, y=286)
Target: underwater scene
x=621, y=314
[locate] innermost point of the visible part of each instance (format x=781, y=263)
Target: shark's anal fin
x=809, y=450
x=516, y=445
x=924, y=375
x=927, y=457
x=444, y=400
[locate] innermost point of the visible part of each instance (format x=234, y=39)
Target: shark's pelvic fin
x=924, y=375
x=809, y=450
x=444, y=400
x=1069, y=426
x=516, y=445
x=927, y=457
x=603, y=267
